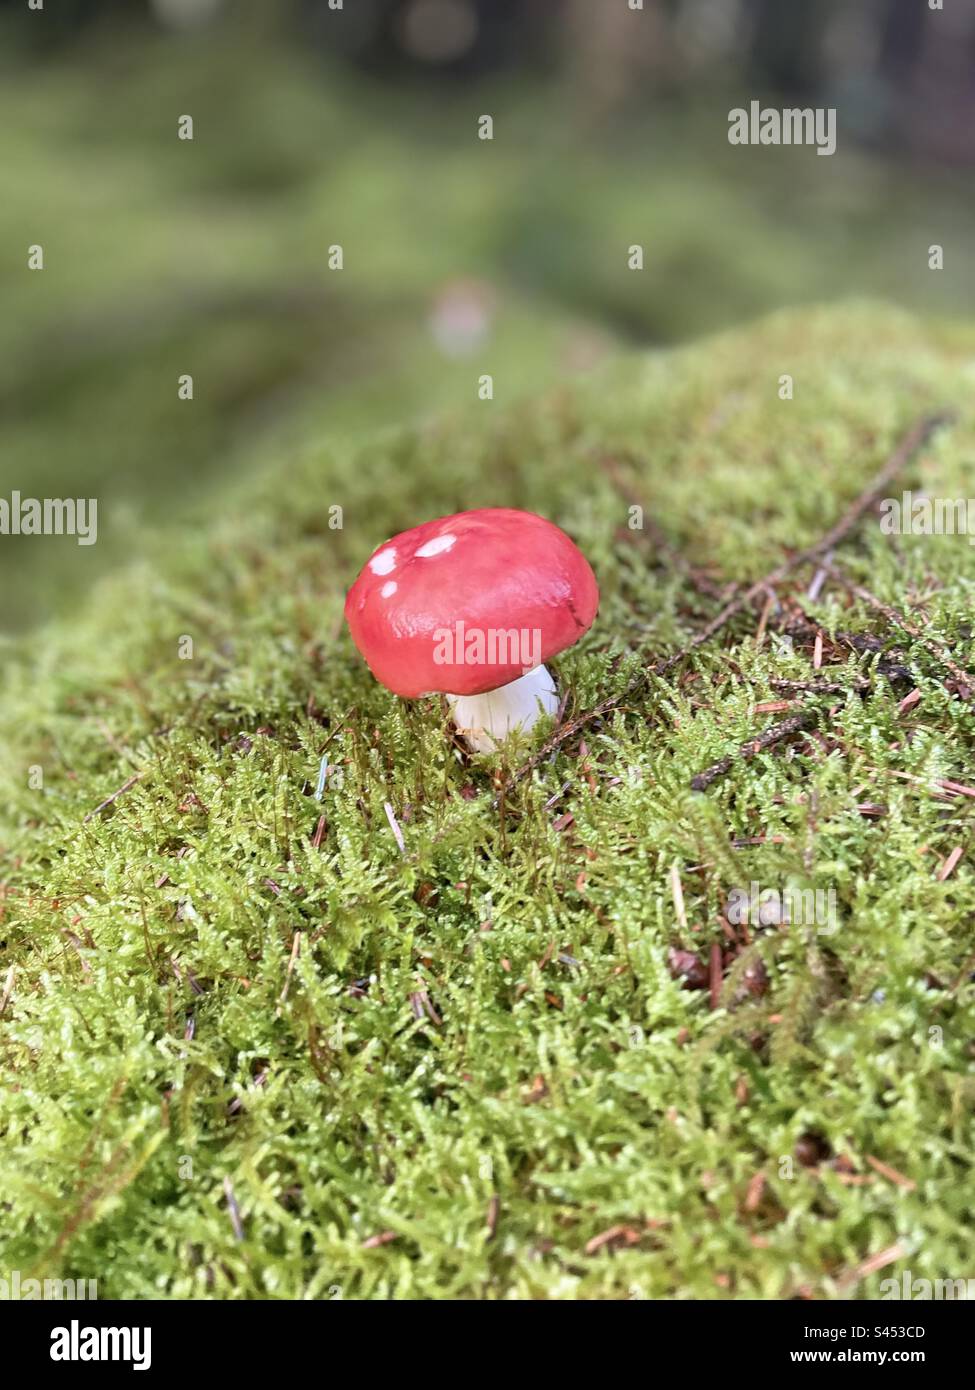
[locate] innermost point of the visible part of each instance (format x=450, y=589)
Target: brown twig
x=821, y=687
x=714, y=974
x=8, y=989
x=888, y=1256
x=897, y=619
x=768, y=738
x=295, y=952
x=233, y=1209
x=114, y=797
x=891, y=1174
x=915, y=439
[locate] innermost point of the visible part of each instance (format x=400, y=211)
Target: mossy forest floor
x=253, y=1048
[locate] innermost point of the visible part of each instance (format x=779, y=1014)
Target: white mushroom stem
x=484, y=720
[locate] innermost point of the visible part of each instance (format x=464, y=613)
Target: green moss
x=163, y=1035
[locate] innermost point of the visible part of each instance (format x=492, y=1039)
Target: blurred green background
x=315, y=127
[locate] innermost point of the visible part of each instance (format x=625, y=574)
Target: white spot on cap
x=389, y=588
x=384, y=562
x=436, y=547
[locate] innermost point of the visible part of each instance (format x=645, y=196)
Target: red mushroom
x=472, y=605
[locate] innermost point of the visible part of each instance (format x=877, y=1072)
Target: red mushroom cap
x=469, y=602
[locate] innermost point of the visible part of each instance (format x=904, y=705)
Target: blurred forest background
x=358, y=126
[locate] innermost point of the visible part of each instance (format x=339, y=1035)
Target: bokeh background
x=358, y=127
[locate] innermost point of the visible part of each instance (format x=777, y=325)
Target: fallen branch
x=914, y=440
x=114, y=797
x=888, y=1256
x=897, y=619
x=821, y=687
x=8, y=990
x=768, y=738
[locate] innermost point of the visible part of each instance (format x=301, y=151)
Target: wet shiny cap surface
x=464, y=603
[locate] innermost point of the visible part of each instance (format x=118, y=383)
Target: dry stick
x=881, y=1260
x=822, y=687
x=796, y=626
x=914, y=440
x=8, y=989
x=114, y=797
x=899, y=620
x=233, y=1209
x=768, y=738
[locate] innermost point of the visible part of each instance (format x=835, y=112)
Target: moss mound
x=254, y=1049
